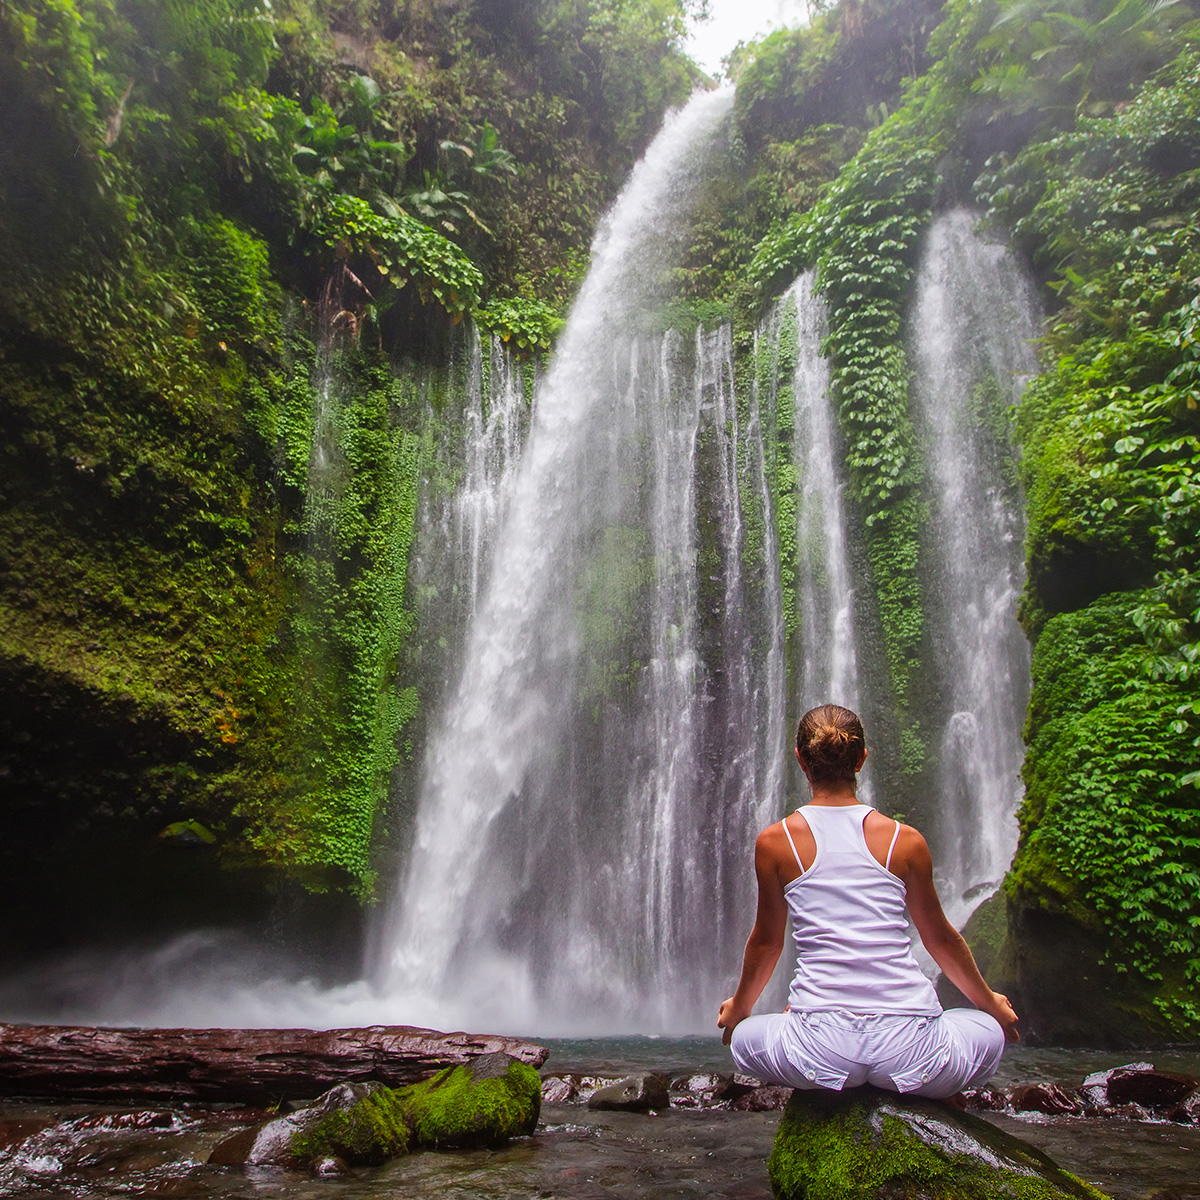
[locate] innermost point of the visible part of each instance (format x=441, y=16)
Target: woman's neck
x=834, y=795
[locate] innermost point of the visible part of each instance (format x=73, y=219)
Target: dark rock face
x=1048, y=960
x=637, y=1093
x=864, y=1144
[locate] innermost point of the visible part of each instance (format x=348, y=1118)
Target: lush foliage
x=1112, y=451
x=220, y=224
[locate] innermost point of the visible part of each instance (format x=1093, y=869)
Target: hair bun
x=830, y=742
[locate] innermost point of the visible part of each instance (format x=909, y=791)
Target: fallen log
x=253, y=1066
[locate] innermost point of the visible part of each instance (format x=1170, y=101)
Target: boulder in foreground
x=483, y=1103
x=864, y=1144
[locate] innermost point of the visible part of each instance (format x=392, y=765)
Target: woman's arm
x=766, y=938
x=947, y=946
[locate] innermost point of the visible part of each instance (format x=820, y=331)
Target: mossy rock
x=864, y=1144
x=481, y=1103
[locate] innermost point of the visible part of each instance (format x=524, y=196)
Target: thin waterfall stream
x=973, y=323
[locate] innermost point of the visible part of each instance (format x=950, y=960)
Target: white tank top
x=850, y=924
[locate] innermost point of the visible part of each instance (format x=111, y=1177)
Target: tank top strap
x=788, y=835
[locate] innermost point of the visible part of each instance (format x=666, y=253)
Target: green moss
x=859, y=1145
x=368, y=1133
x=457, y=1107
x=482, y=1103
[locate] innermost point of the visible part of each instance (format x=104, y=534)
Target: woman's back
x=849, y=924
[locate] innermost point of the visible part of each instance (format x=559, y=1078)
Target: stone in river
x=1150, y=1088
x=557, y=1090
x=329, y=1167
x=637, y=1093
x=269, y=1143
x=763, y=1099
x=1095, y=1086
x=1046, y=1098
x=698, y=1091
x=864, y=1144
x=1187, y=1111
x=984, y=1099
x=482, y=1103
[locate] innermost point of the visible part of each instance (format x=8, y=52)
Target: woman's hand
x=728, y=1018
x=1004, y=1013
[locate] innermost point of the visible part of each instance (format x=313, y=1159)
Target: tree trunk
x=245, y=1065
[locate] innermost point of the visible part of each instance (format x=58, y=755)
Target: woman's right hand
x=728, y=1018
x=1003, y=1011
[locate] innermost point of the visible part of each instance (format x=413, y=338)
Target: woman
x=860, y=1010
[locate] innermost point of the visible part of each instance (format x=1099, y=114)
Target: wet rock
x=1046, y=1098
x=1149, y=1088
x=637, y=1093
x=330, y=1167
x=483, y=1103
x=1187, y=1111
x=1095, y=1086
x=234, y=1151
x=984, y=1099
x=698, y=1091
x=17, y=1129
x=269, y=1144
x=243, y=1065
x=763, y=1099
x=587, y=1085
x=865, y=1144
x=558, y=1090
x=739, y=1085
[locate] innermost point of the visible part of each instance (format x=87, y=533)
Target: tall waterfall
x=974, y=319
x=824, y=594
x=605, y=744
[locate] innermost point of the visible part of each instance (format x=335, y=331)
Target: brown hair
x=830, y=742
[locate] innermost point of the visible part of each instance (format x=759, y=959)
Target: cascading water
x=824, y=596
x=974, y=319
x=825, y=665
x=578, y=804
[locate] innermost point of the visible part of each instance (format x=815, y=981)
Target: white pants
x=925, y=1056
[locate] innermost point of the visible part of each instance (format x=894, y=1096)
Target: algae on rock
x=481, y=1103
x=863, y=1144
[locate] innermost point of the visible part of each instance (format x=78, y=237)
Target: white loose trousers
x=923, y=1056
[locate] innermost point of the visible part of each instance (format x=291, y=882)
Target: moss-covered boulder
x=481, y=1103
x=864, y=1144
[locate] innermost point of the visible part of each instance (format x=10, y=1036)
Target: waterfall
x=824, y=595
x=578, y=802
x=825, y=662
x=973, y=321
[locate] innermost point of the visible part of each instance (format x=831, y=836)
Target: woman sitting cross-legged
x=860, y=1010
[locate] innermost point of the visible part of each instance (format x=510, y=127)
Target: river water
x=91, y=1151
